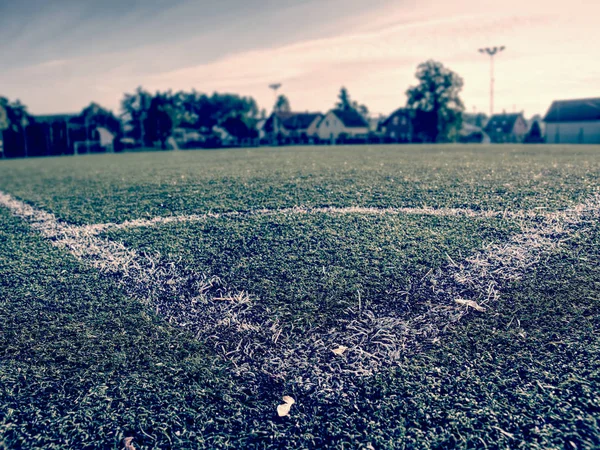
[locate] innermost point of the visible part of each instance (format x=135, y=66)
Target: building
x=291, y=126
x=472, y=134
x=504, y=128
x=302, y=127
x=343, y=125
x=573, y=122
x=398, y=126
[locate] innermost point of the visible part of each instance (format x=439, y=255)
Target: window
x=404, y=120
x=327, y=123
x=396, y=120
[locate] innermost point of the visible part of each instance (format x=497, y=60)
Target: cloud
x=373, y=51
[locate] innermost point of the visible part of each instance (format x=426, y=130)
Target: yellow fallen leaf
x=471, y=304
x=340, y=350
x=284, y=409
x=127, y=443
x=289, y=400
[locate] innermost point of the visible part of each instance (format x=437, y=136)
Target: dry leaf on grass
x=284, y=409
x=127, y=442
x=471, y=304
x=340, y=350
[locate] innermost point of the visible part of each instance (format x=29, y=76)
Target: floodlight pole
x=275, y=87
x=492, y=51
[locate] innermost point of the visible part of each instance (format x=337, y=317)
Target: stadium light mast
x=275, y=87
x=492, y=51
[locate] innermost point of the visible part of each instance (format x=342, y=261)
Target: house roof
x=52, y=118
x=580, y=110
x=502, y=123
x=281, y=116
x=300, y=121
x=291, y=120
x=350, y=118
x=399, y=112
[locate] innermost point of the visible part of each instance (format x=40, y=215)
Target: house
x=339, y=124
x=504, y=128
x=398, y=126
x=573, y=122
x=291, y=126
x=472, y=134
x=301, y=127
x=237, y=132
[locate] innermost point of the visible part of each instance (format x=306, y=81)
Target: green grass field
x=176, y=297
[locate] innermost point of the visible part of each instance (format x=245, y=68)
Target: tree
x=345, y=103
x=436, y=103
x=160, y=119
x=134, y=109
x=476, y=119
x=16, y=122
x=282, y=105
x=94, y=116
x=535, y=134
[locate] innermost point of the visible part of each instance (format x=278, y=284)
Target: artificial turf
x=82, y=365
x=104, y=188
x=311, y=269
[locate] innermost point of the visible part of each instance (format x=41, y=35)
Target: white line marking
x=424, y=211
x=260, y=345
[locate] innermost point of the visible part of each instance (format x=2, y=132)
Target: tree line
x=149, y=119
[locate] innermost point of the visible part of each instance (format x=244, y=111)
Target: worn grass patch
x=312, y=270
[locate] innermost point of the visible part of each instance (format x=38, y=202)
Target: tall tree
x=94, y=116
x=16, y=123
x=161, y=118
x=344, y=103
x=134, y=108
x=535, y=134
x=282, y=105
x=436, y=102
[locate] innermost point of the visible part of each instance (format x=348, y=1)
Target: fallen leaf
x=470, y=303
x=284, y=409
x=340, y=350
x=127, y=443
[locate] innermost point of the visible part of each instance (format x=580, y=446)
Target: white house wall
x=331, y=127
x=573, y=133
x=313, y=129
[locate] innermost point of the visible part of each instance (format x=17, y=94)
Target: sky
x=57, y=56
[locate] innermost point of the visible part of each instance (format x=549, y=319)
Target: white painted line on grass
x=424, y=211
x=260, y=344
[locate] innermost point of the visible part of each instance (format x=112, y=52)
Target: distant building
x=472, y=134
x=573, y=122
x=504, y=128
x=343, y=124
x=291, y=126
x=302, y=126
x=398, y=126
